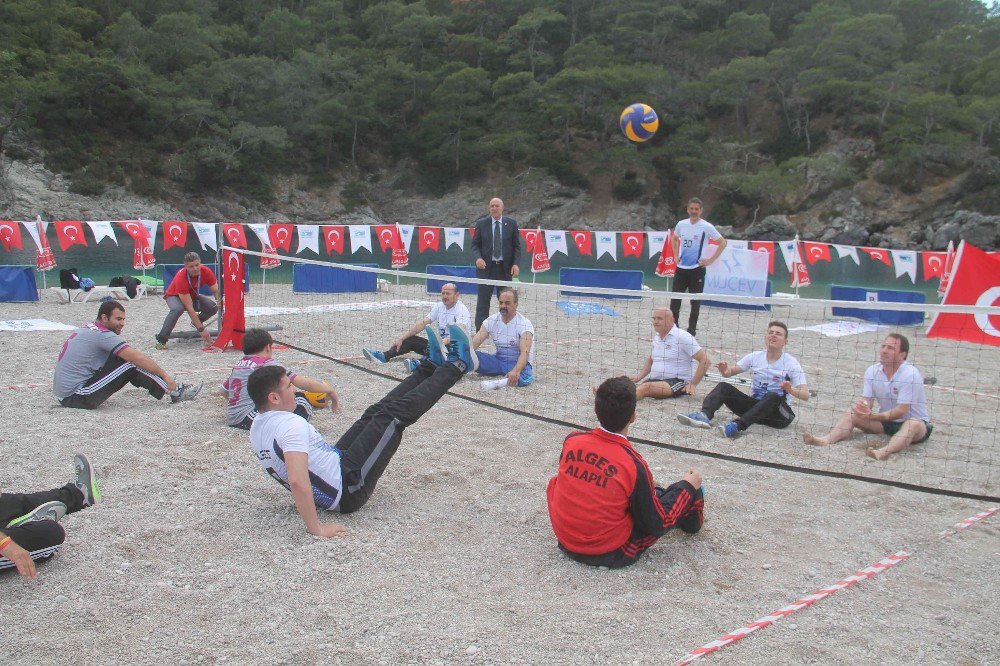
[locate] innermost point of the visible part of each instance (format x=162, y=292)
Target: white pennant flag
x=555, y=241
x=361, y=237
x=150, y=229
x=905, y=262
x=655, y=241
x=607, y=241
x=308, y=238
x=32, y=229
x=206, y=235
x=406, y=233
x=456, y=236
x=847, y=251
x=260, y=231
x=789, y=252
x=102, y=230
x=738, y=244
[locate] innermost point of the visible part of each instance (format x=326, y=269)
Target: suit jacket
x=482, y=244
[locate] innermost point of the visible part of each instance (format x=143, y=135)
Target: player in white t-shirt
x=340, y=477
x=451, y=310
x=689, y=241
x=776, y=377
x=899, y=389
x=514, y=339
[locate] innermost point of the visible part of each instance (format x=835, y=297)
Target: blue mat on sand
x=580, y=308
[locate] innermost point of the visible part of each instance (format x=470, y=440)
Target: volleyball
x=639, y=122
x=316, y=399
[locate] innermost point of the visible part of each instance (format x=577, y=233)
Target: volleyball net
x=585, y=334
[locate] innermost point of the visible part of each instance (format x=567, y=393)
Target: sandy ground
x=195, y=555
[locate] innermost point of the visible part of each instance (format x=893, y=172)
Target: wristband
x=6, y=541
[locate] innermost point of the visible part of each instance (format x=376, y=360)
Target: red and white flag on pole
x=800, y=274
x=233, y=312
x=975, y=280
x=948, y=266
x=390, y=239
x=539, y=253
x=667, y=265
x=44, y=260
x=142, y=257
x=260, y=231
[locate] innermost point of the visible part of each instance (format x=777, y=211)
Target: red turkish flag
x=878, y=254
x=800, y=274
x=530, y=237
x=472, y=232
x=632, y=243
x=975, y=280
x=768, y=247
x=933, y=264
x=583, y=240
x=429, y=238
x=948, y=265
x=69, y=233
x=667, y=265
x=10, y=235
x=334, y=237
x=142, y=257
x=235, y=235
x=233, y=314
x=175, y=234
x=388, y=236
x=281, y=235
x=534, y=240
x=44, y=260
x=816, y=251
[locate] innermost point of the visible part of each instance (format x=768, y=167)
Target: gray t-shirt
x=83, y=354
x=240, y=403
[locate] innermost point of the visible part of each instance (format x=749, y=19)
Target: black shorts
x=892, y=427
x=676, y=384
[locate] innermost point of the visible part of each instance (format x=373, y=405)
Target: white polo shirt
x=445, y=317
x=673, y=355
x=905, y=387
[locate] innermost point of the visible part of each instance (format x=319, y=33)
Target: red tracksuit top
x=603, y=490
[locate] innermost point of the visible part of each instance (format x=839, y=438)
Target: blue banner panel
x=596, y=277
x=890, y=317
x=742, y=306
x=434, y=286
x=17, y=284
x=576, y=308
x=170, y=270
x=311, y=279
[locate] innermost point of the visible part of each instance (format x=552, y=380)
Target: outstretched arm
x=297, y=464
x=318, y=386
x=727, y=370
x=140, y=360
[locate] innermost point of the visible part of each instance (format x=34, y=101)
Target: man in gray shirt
x=96, y=362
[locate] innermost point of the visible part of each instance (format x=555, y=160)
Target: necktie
x=497, y=241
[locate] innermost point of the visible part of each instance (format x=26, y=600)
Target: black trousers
x=413, y=343
x=771, y=410
x=638, y=541
x=368, y=445
x=203, y=305
x=494, y=271
x=691, y=280
x=41, y=538
x=111, y=378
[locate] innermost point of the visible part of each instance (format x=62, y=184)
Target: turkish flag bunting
x=975, y=280
x=529, y=236
x=632, y=243
x=233, y=314
x=235, y=235
x=69, y=233
x=800, y=274
x=878, y=254
x=334, y=237
x=10, y=235
x=472, y=232
x=175, y=234
x=388, y=237
x=44, y=260
x=765, y=246
x=142, y=257
x=428, y=238
x=933, y=264
x=816, y=251
x=534, y=240
x=281, y=236
x=667, y=265
x=584, y=241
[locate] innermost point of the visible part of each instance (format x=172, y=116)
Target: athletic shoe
x=85, y=480
x=463, y=351
x=411, y=365
x=373, y=355
x=186, y=392
x=728, y=430
x=435, y=347
x=48, y=511
x=695, y=419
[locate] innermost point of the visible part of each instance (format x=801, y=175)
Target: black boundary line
x=675, y=447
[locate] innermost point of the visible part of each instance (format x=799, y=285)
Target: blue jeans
x=492, y=365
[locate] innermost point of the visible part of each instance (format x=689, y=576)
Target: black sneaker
x=186, y=392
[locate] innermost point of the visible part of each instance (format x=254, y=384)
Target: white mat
x=837, y=329
x=337, y=307
x=33, y=325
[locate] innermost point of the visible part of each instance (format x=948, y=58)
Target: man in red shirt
x=603, y=505
x=183, y=296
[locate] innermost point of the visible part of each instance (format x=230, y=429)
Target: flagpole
x=795, y=264
x=263, y=271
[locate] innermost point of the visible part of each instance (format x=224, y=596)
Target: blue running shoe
x=728, y=430
x=410, y=365
x=695, y=419
x=373, y=355
x=435, y=347
x=461, y=344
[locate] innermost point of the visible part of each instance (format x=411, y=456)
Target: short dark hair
x=904, y=344
x=694, y=200
x=615, y=403
x=191, y=256
x=263, y=382
x=255, y=340
x=513, y=292
x=779, y=324
x=107, y=307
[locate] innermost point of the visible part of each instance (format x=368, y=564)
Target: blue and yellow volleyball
x=639, y=122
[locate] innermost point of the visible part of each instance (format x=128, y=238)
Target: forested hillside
x=754, y=95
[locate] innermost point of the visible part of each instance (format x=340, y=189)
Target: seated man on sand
x=603, y=505
x=258, y=349
x=451, y=310
x=667, y=372
x=514, y=339
x=899, y=389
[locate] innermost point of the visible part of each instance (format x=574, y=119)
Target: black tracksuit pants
x=41, y=538
x=413, y=343
x=690, y=280
x=771, y=410
x=111, y=378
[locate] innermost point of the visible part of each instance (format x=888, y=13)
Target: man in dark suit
x=497, y=247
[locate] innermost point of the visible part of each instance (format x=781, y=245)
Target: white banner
x=456, y=236
x=555, y=241
x=607, y=241
x=654, y=242
x=260, y=231
x=151, y=230
x=102, y=230
x=32, y=229
x=737, y=273
x=848, y=251
x=34, y=325
x=406, y=233
x=790, y=252
x=361, y=237
x=308, y=238
x=905, y=263
x=206, y=235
